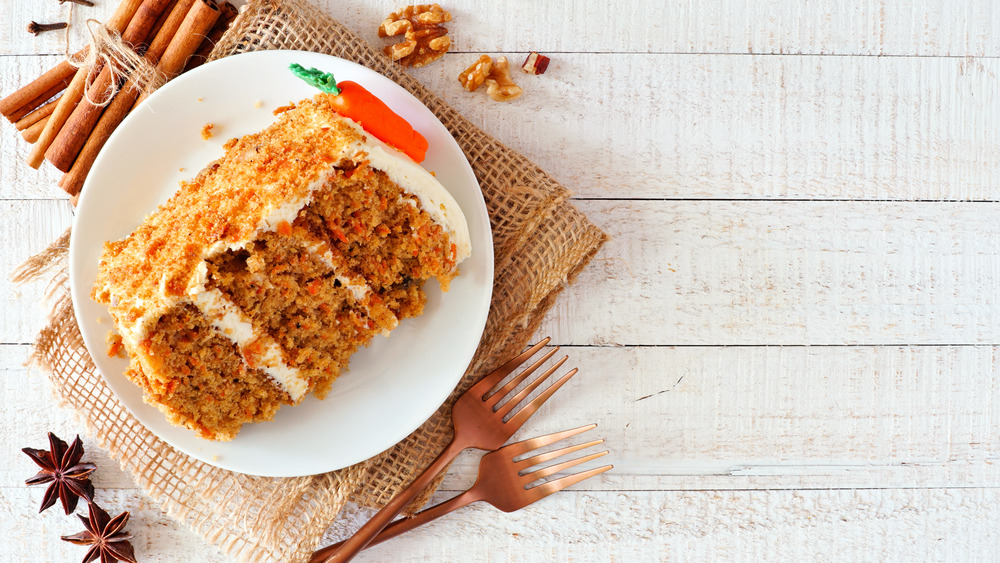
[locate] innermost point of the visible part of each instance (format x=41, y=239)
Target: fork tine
x=499, y=394
x=520, y=448
x=497, y=375
x=522, y=415
x=556, y=468
x=530, y=462
x=556, y=485
x=516, y=399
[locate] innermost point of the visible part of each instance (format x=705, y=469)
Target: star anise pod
x=61, y=466
x=106, y=537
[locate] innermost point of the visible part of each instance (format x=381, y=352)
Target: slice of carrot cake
x=253, y=285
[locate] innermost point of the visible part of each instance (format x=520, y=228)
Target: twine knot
x=127, y=66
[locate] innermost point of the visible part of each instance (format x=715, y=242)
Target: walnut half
x=499, y=85
x=474, y=76
x=425, y=39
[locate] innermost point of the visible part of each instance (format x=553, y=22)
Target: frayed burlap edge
x=540, y=240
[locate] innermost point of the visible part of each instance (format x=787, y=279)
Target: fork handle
x=404, y=525
x=354, y=544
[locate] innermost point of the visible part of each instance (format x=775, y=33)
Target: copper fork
x=504, y=482
x=481, y=422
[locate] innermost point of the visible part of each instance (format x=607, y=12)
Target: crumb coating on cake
x=226, y=203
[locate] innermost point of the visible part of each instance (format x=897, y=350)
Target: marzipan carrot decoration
x=353, y=101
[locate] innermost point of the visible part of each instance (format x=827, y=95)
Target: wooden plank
x=843, y=27
x=759, y=417
x=863, y=525
x=17, y=179
x=855, y=27
x=680, y=126
x=838, y=525
x=31, y=412
x=784, y=273
x=703, y=418
x=35, y=537
x=14, y=18
x=26, y=227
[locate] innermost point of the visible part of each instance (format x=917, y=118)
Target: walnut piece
x=535, y=63
x=474, y=76
x=499, y=85
x=425, y=39
x=116, y=349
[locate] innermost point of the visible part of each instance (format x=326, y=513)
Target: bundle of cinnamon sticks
x=64, y=114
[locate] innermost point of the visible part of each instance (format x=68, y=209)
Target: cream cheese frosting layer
x=229, y=321
x=414, y=179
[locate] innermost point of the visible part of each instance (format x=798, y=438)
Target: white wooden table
x=790, y=343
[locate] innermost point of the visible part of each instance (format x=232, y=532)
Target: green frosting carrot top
x=353, y=101
x=315, y=77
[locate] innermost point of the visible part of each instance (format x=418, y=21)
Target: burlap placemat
x=541, y=242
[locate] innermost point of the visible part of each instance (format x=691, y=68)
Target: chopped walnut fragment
x=474, y=76
x=425, y=38
x=535, y=63
x=499, y=84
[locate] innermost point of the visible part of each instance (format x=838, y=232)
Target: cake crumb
x=115, y=347
x=201, y=99
x=181, y=169
x=206, y=131
x=259, y=104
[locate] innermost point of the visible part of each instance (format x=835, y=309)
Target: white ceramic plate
x=392, y=386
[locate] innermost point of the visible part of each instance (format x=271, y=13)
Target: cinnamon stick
x=196, y=26
x=67, y=144
x=37, y=115
x=168, y=30
x=39, y=100
x=74, y=92
x=155, y=30
x=27, y=94
x=185, y=37
x=31, y=134
x=228, y=14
